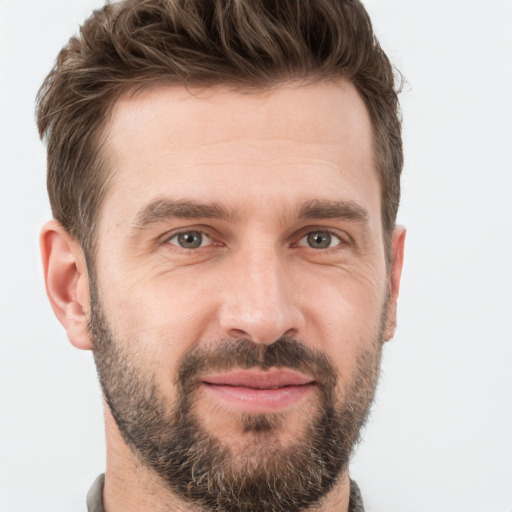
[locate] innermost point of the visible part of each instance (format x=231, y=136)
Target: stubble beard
x=263, y=475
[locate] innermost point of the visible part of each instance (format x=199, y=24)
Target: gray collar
x=356, y=500
x=95, y=497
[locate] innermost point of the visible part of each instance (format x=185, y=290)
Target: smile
x=259, y=392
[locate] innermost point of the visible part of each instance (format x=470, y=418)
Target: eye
x=190, y=239
x=319, y=240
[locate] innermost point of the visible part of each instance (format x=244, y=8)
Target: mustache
x=229, y=354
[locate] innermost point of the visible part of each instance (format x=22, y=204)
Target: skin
x=261, y=157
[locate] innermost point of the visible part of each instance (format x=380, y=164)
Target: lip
x=258, y=391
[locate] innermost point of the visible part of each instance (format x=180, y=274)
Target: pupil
x=319, y=240
x=190, y=240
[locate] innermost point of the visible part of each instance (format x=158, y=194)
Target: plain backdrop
x=439, y=438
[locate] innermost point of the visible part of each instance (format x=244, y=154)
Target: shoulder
x=95, y=495
x=356, y=500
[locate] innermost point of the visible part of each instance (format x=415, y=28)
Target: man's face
x=240, y=288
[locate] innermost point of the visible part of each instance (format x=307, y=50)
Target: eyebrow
x=324, y=209
x=161, y=210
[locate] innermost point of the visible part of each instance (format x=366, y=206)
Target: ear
x=397, y=261
x=67, y=282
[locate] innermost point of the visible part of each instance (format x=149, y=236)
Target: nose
x=259, y=302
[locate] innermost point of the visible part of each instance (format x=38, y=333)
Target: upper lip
x=272, y=379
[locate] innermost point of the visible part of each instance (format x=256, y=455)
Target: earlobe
x=397, y=260
x=67, y=283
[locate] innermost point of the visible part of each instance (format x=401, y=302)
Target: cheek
x=167, y=314
x=344, y=313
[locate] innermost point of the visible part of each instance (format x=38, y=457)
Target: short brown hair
x=248, y=44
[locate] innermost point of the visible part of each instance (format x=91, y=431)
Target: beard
x=261, y=474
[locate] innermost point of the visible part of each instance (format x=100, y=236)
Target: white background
x=440, y=434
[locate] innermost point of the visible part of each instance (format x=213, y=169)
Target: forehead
x=293, y=143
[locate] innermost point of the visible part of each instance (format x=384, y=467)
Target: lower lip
x=259, y=400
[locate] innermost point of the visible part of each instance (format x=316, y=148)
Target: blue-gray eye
x=189, y=239
x=319, y=240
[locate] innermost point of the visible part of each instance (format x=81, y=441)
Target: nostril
x=290, y=333
x=239, y=333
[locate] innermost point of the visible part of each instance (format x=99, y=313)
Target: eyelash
x=342, y=240
x=201, y=232
x=331, y=234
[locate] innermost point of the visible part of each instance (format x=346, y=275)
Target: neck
x=130, y=486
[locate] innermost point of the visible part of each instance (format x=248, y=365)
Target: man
x=224, y=178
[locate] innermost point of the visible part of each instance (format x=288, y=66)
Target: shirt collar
x=95, y=497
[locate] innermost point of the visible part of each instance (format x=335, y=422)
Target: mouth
x=259, y=391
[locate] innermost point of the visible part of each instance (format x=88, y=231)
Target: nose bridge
x=259, y=297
